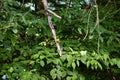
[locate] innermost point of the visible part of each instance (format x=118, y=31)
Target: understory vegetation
x=88, y=35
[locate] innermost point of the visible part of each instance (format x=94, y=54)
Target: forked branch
x=51, y=26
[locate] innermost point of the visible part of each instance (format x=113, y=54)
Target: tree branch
x=51, y=26
x=97, y=25
x=54, y=14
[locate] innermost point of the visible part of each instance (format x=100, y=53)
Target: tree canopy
x=60, y=39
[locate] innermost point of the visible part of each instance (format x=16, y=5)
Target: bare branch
x=54, y=14
x=51, y=26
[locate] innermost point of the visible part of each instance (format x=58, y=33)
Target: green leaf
x=14, y=40
x=82, y=77
x=53, y=73
x=42, y=57
x=100, y=66
x=113, y=61
x=11, y=69
x=74, y=77
x=69, y=58
x=36, y=77
x=35, y=56
x=73, y=65
x=80, y=30
x=64, y=74
x=30, y=31
x=88, y=64
x=83, y=53
x=63, y=57
x=42, y=78
x=25, y=75
x=118, y=63
x=69, y=64
x=68, y=78
x=78, y=63
x=32, y=62
x=15, y=31
x=42, y=63
x=56, y=61
x=49, y=61
x=59, y=74
x=83, y=59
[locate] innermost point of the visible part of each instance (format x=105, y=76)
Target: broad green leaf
x=14, y=40
x=64, y=73
x=69, y=58
x=59, y=74
x=88, y=64
x=53, y=73
x=118, y=63
x=42, y=78
x=73, y=65
x=42, y=63
x=35, y=76
x=100, y=66
x=26, y=75
x=83, y=59
x=49, y=61
x=63, y=57
x=74, y=77
x=42, y=57
x=113, y=61
x=68, y=78
x=32, y=62
x=11, y=69
x=69, y=64
x=15, y=31
x=83, y=53
x=91, y=37
x=35, y=56
x=82, y=77
x=56, y=61
x=80, y=30
x=78, y=63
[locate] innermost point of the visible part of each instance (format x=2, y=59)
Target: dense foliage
x=90, y=42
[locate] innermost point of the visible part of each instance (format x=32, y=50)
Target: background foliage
x=28, y=51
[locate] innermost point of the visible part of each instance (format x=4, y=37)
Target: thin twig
x=98, y=22
x=97, y=25
x=104, y=16
x=97, y=17
x=115, y=12
x=88, y=24
x=107, y=14
x=51, y=26
x=54, y=14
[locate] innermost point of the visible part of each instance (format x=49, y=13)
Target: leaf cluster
x=28, y=51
